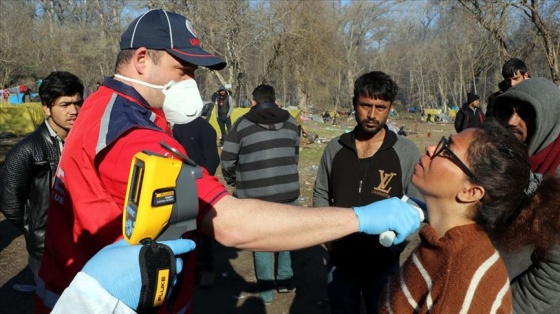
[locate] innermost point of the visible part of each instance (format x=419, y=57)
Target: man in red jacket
x=154, y=83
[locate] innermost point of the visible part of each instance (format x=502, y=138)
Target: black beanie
x=471, y=97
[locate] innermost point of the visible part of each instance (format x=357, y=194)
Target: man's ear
x=47, y=110
x=139, y=59
x=471, y=193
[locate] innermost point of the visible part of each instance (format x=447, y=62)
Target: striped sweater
x=459, y=273
x=260, y=155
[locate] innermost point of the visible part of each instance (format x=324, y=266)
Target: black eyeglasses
x=443, y=145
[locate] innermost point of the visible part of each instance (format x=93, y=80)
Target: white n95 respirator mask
x=182, y=103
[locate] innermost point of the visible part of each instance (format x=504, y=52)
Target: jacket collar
x=349, y=139
x=125, y=89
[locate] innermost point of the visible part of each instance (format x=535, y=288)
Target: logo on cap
x=194, y=41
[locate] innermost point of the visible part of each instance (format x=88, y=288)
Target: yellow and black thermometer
x=161, y=198
x=161, y=204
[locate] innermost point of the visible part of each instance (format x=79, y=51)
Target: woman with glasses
x=477, y=185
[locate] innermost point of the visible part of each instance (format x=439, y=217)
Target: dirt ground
x=236, y=290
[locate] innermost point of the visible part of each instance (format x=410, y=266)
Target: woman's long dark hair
x=513, y=216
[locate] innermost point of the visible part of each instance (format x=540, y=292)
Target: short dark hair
x=512, y=214
x=57, y=84
x=512, y=66
x=377, y=85
x=264, y=93
x=126, y=55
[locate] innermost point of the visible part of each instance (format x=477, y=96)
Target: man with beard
x=531, y=111
x=153, y=86
x=369, y=164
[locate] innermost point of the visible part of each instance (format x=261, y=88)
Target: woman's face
x=444, y=168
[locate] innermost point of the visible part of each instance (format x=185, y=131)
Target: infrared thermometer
x=386, y=238
x=161, y=198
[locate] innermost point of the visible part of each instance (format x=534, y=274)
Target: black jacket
x=198, y=138
x=468, y=118
x=26, y=177
x=345, y=180
x=223, y=104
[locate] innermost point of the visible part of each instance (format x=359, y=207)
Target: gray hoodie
x=544, y=96
x=535, y=283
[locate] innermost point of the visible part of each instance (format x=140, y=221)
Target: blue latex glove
x=390, y=214
x=117, y=269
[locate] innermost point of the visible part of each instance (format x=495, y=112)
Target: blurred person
x=478, y=188
x=6, y=93
x=222, y=100
x=27, y=174
x=154, y=86
x=198, y=138
x=26, y=96
x=531, y=112
x=470, y=116
x=260, y=160
x=502, y=87
x=207, y=111
x=515, y=71
x=366, y=165
x=21, y=91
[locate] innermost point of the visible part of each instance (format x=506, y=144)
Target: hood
x=268, y=116
x=544, y=96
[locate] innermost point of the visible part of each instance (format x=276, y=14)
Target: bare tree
x=311, y=51
x=542, y=15
x=546, y=26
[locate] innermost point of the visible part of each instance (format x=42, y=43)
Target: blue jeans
x=346, y=292
x=264, y=269
x=224, y=122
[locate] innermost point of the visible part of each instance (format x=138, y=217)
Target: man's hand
x=116, y=267
x=390, y=214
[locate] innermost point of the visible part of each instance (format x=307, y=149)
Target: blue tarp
x=17, y=98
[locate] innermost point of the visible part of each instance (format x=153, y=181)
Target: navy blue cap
x=163, y=30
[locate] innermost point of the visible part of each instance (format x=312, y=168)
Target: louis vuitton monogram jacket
x=344, y=180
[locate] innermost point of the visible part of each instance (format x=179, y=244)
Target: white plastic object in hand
x=386, y=238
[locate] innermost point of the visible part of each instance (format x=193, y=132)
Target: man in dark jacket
x=514, y=72
x=531, y=111
x=369, y=164
x=221, y=99
x=502, y=87
x=260, y=158
x=470, y=116
x=27, y=174
x=198, y=138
